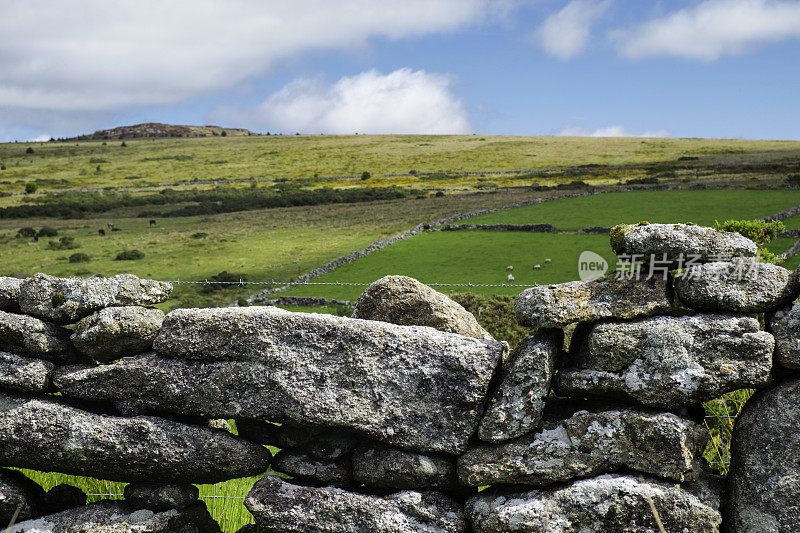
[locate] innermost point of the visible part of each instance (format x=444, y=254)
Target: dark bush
x=439, y=194
x=223, y=280
x=365, y=175
x=64, y=243
x=199, y=235
x=26, y=232
x=31, y=188
x=29, y=150
x=79, y=258
x=47, y=231
x=793, y=179
x=129, y=255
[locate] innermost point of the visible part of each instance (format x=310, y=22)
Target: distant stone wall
x=392, y=421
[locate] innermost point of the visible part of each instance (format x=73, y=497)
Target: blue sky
x=702, y=68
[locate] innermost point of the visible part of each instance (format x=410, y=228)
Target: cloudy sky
x=682, y=68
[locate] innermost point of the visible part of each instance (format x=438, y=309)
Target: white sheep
x=510, y=277
x=537, y=267
x=509, y=268
x=547, y=260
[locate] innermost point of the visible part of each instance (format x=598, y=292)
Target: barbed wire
x=243, y=282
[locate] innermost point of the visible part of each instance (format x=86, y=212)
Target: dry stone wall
x=409, y=416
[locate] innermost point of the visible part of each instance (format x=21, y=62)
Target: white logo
x=591, y=266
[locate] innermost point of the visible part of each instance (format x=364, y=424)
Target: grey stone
x=597, y=505
x=410, y=386
x=160, y=496
x=305, y=467
x=286, y=435
x=114, y=332
x=668, y=362
x=587, y=444
x=45, y=435
x=763, y=481
x=406, y=301
x=220, y=424
x=34, y=336
x=116, y=517
x=25, y=374
x=9, y=293
x=656, y=240
x=555, y=306
x=740, y=286
x=67, y=300
x=331, y=445
x=784, y=325
x=515, y=405
x=18, y=491
x=281, y=507
x=377, y=465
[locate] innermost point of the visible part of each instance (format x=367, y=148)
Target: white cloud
x=608, y=131
x=565, y=34
x=100, y=55
x=713, y=28
x=43, y=138
x=403, y=101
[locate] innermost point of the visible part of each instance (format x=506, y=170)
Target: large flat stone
x=784, y=325
x=516, y=403
x=587, y=444
x=674, y=241
x=25, y=374
x=67, y=300
x=305, y=467
x=114, y=332
x=45, y=435
x=763, y=481
x=667, y=362
x=9, y=293
x=376, y=465
x=281, y=507
x=607, y=503
x=555, y=306
x=406, y=301
x=34, y=336
x=741, y=286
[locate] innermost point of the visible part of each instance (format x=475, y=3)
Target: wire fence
x=243, y=282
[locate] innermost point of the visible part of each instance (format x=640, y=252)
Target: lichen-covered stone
x=376, y=465
x=115, y=517
x=763, y=481
x=25, y=374
x=160, y=496
x=515, y=405
x=305, y=467
x=784, y=325
x=9, y=293
x=45, y=435
x=410, y=386
x=34, y=336
x=587, y=444
x=406, y=301
x=597, y=505
x=555, y=306
x=668, y=362
x=113, y=332
x=740, y=286
x=18, y=491
x=331, y=445
x=676, y=240
x=281, y=507
x=67, y=300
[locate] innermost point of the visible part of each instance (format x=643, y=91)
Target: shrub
x=758, y=231
x=29, y=150
x=225, y=280
x=47, y=231
x=31, y=188
x=439, y=194
x=64, y=243
x=26, y=232
x=79, y=258
x=2, y=167
x=224, y=133
x=199, y=235
x=365, y=175
x=794, y=179
x=129, y=255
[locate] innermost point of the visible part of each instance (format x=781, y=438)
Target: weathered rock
x=66, y=300
x=45, y=435
x=668, y=362
x=515, y=406
x=406, y=301
x=116, y=331
x=116, y=517
x=9, y=293
x=220, y=424
x=763, y=482
x=376, y=465
x=25, y=374
x=740, y=286
x=587, y=444
x=305, y=467
x=331, y=445
x=784, y=325
x=597, y=505
x=63, y=497
x=18, y=491
x=555, y=306
x=679, y=240
x=160, y=496
x=34, y=336
x=410, y=386
x=281, y=507
x=286, y=435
